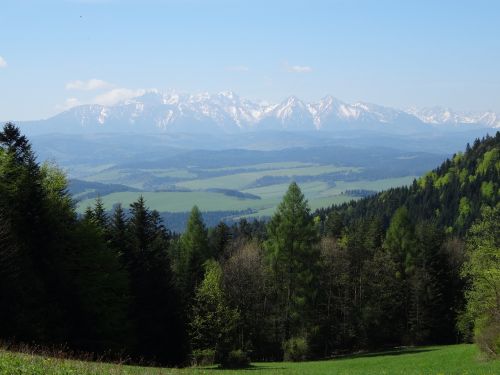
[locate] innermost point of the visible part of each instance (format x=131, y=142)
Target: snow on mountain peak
x=446, y=116
x=227, y=111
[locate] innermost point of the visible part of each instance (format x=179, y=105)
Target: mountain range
x=226, y=112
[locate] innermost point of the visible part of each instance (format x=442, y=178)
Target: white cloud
x=115, y=96
x=238, y=68
x=3, y=63
x=107, y=98
x=68, y=103
x=298, y=68
x=90, y=85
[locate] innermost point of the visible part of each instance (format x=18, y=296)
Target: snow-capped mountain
x=156, y=112
x=441, y=115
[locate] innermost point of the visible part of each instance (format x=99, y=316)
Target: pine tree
x=291, y=250
x=156, y=308
x=219, y=238
x=119, y=236
x=24, y=203
x=194, y=252
x=100, y=216
x=400, y=241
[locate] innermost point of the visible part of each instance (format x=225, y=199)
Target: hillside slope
x=456, y=359
x=451, y=195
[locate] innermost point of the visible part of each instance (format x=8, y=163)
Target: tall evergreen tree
x=100, y=216
x=293, y=257
x=194, y=252
x=400, y=244
x=23, y=204
x=400, y=240
x=219, y=238
x=156, y=308
x=118, y=234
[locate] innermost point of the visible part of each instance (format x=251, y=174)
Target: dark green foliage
x=213, y=321
x=413, y=280
x=100, y=308
x=388, y=270
x=451, y=195
x=246, y=284
x=295, y=349
x=236, y=359
x=483, y=270
x=101, y=284
x=203, y=357
x=293, y=257
x=119, y=236
x=56, y=273
x=400, y=242
x=333, y=224
x=156, y=304
x=193, y=252
x=219, y=238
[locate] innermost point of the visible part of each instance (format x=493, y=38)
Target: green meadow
x=435, y=360
x=197, y=184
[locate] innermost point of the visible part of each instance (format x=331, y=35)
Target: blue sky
x=395, y=53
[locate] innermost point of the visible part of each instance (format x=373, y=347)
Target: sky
x=58, y=54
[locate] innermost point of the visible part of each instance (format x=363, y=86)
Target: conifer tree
x=156, y=309
x=194, y=252
x=293, y=257
x=119, y=236
x=100, y=216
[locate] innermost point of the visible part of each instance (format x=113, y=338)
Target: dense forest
x=408, y=266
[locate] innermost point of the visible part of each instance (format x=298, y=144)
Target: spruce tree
x=194, y=252
x=293, y=257
x=118, y=234
x=156, y=308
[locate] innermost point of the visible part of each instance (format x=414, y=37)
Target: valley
x=233, y=184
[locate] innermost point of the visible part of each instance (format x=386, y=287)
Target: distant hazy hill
x=227, y=113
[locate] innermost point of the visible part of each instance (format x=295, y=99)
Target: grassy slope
x=241, y=180
x=456, y=360
x=318, y=194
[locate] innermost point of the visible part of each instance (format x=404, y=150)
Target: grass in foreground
x=436, y=360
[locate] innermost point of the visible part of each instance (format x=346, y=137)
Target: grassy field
x=240, y=178
x=438, y=360
x=318, y=193
x=183, y=201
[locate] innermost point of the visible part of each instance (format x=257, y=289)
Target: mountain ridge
x=227, y=112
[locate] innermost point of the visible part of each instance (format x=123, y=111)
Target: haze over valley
x=226, y=186
x=235, y=158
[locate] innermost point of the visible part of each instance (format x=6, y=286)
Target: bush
x=488, y=338
x=236, y=359
x=203, y=357
x=295, y=349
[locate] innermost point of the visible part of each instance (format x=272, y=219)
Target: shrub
x=203, y=357
x=236, y=359
x=295, y=349
x=488, y=338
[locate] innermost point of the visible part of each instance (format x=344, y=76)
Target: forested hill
x=451, y=196
x=395, y=269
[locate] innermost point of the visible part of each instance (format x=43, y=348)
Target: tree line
x=409, y=266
